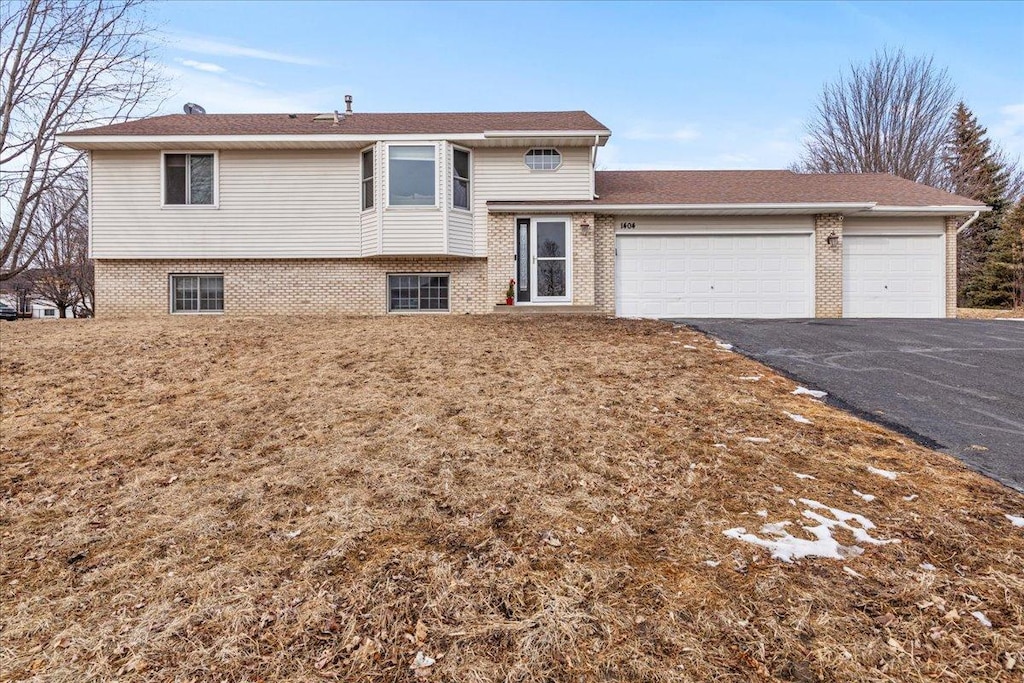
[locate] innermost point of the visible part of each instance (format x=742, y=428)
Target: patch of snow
x=980, y=616
x=785, y=547
x=798, y=418
x=675, y=342
x=810, y=392
x=799, y=475
x=911, y=498
x=294, y=534
x=762, y=513
x=751, y=378
x=928, y=566
x=865, y=496
x=1014, y=520
x=720, y=445
x=712, y=563
x=756, y=439
x=882, y=473
x=724, y=347
x=777, y=488
x=689, y=346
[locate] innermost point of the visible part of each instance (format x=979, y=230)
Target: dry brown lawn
x=519, y=499
x=990, y=313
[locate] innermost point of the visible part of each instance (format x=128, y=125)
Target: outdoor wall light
x=832, y=239
x=585, y=228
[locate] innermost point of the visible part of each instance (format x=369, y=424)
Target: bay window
x=412, y=176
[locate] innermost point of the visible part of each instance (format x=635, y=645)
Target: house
x=19, y=292
x=374, y=213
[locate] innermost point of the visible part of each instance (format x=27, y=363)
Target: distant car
x=7, y=313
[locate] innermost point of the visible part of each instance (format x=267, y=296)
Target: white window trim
x=437, y=178
x=170, y=293
x=436, y=311
x=372, y=149
x=163, y=179
x=469, y=198
x=561, y=160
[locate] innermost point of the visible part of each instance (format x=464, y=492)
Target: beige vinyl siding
x=369, y=233
x=278, y=204
x=413, y=232
x=500, y=174
x=460, y=232
x=927, y=225
x=705, y=224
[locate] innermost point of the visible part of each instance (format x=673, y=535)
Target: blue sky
x=681, y=85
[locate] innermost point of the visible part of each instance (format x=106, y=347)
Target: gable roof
x=352, y=124
x=767, y=187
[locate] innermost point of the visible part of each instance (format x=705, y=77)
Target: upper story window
x=460, y=179
x=189, y=179
x=412, y=177
x=543, y=159
x=367, y=178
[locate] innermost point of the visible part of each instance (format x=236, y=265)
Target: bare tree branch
x=890, y=115
x=65, y=64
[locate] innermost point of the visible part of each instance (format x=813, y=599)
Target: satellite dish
x=193, y=108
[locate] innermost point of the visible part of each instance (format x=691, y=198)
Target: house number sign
x=627, y=225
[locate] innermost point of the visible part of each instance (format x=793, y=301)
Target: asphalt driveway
x=954, y=385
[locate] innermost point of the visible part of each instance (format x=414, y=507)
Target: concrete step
x=527, y=309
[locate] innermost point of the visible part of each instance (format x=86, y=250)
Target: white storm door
x=550, y=263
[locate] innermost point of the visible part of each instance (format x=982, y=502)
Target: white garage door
x=714, y=276
x=890, y=276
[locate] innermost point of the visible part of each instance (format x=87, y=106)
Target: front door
x=550, y=267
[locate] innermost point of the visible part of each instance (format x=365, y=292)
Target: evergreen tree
x=1001, y=281
x=974, y=169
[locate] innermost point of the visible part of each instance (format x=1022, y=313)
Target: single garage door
x=894, y=276
x=714, y=276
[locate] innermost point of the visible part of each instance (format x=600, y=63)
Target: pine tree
x=1001, y=281
x=975, y=170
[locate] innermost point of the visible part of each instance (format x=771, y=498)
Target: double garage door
x=715, y=276
x=772, y=276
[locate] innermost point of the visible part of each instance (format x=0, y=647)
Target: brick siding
x=604, y=264
x=953, y=223
x=828, y=266
x=285, y=286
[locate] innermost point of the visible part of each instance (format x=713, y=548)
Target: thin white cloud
x=209, y=67
x=223, y=93
x=1008, y=132
x=220, y=48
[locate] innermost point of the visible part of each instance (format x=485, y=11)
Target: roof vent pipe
x=348, y=104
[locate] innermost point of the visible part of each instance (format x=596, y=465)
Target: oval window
x=543, y=159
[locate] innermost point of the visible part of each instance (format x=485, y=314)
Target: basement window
x=189, y=179
x=410, y=293
x=197, y=294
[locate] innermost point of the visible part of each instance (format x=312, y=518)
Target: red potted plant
x=510, y=293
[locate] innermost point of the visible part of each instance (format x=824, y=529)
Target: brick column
x=828, y=266
x=501, y=254
x=583, y=259
x=604, y=264
x=952, y=224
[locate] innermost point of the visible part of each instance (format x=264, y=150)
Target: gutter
x=619, y=208
x=969, y=221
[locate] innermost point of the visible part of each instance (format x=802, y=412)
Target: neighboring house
x=376, y=213
x=29, y=308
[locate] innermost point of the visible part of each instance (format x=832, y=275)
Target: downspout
x=968, y=222
x=593, y=166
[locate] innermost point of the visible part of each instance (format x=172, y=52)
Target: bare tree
x=890, y=115
x=64, y=64
x=63, y=257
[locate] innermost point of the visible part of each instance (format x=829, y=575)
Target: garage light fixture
x=832, y=239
